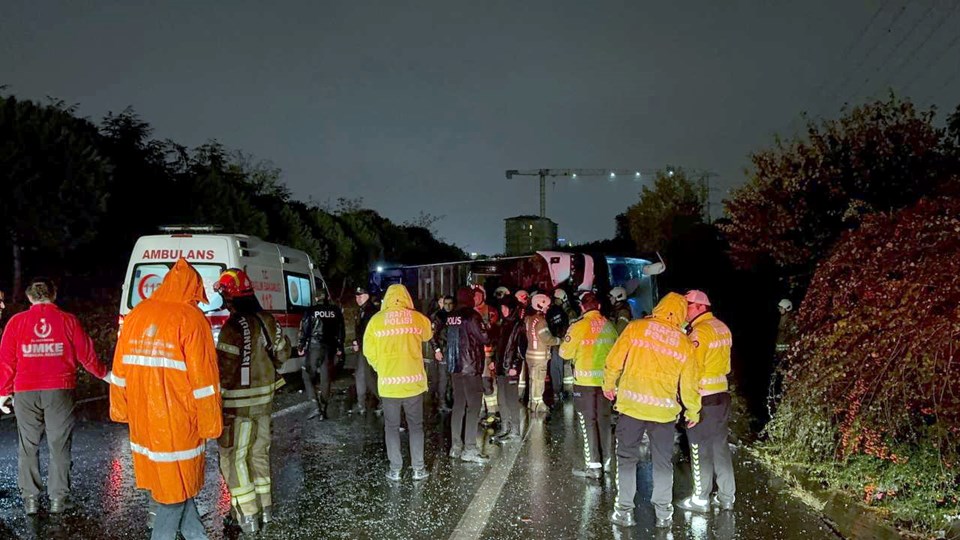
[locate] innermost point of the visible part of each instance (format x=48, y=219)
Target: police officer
x=364, y=376
x=321, y=339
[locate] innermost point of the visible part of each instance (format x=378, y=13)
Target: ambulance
x=285, y=279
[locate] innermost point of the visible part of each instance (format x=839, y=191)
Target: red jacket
x=40, y=349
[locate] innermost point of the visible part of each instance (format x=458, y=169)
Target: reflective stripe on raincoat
x=587, y=343
x=166, y=386
x=712, y=342
x=393, y=345
x=650, y=358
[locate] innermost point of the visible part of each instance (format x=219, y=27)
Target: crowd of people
x=488, y=365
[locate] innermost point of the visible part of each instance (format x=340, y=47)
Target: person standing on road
x=364, y=376
x=166, y=386
x=320, y=342
x=251, y=349
x=558, y=320
x=39, y=353
x=650, y=359
x=620, y=312
x=508, y=361
x=491, y=322
x=539, y=341
x=709, y=451
x=439, y=380
x=466, y=338
x=523, y=304
x=586, y=344
x=393, y=343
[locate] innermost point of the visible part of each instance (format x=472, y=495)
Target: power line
x=893, y=50
x=935, y=61
x=913, y=53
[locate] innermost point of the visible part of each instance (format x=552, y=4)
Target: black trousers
x=629, y=437
x=438, y=381
x=509, y=401
x=709, y=452
x=467, y=397
x=593, y=415
x=321, y=359
x=42, y=412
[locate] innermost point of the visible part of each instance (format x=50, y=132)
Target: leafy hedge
x=871, y=396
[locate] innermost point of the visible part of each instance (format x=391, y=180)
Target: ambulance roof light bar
x=170, y=229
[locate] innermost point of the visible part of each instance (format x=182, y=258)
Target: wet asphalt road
x=329, y=483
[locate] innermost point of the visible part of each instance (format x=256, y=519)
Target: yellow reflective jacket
x=587, y=343
x=712, y=342
x=649, y=360
x=393, y=344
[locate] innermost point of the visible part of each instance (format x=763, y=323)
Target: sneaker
x=314, y=414
x=250, y=524
x=694, y=504
x=266, y=514
x=623, y=518
x=720, y=505
x=393, y=475
x=473, y=456
x=60, y=505
x=378, y=411
x=456, y=450
x=607, y=465
x=31, y=505
x=420, y=474
x=665, y=523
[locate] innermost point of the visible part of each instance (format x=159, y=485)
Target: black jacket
x=322, y=324
x=557, y=320
x=364, y=313
x=438, y=322
x=511, y=346
x=465, y=336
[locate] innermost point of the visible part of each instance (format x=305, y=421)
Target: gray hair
x=41, y=290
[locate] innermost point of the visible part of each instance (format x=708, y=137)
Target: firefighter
x=786, y=335
x=709, y=451
x=523, y=304
x=39, y=354
x=539, y=341
x=321, y=343
x=586, y=344
x=251, y=349
x=620, y=314
x=491, y=321
x=466, y=339
x=166, y=386
x=393, y=344
x=650, y=359
x=508, y=360
x=364, y=376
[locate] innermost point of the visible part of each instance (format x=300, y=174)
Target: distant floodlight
x=574, y=176
x=379, y=269
x=613, y=175
x=670, y=172
x=637, y=174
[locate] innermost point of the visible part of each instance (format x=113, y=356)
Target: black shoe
x=378, y=411
x=266, y=514
x=31, y=505
x=314, y=414
x=623, y=518
x=60, y=505
x=665, y=523
x=722, y=506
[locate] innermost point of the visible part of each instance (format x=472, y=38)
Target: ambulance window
x=147, y=277
x=298, y=290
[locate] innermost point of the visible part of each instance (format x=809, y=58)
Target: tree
x=804, y=193
x=54, y=180
x=671, y=207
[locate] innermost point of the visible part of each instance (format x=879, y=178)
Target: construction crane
x=636, y=174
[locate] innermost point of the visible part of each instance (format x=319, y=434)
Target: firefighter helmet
x=560, y=295
x=500, y=292
x=522, y=296
x=618, y=294
x=233, y=283
x=785, y=305
x=541, y=302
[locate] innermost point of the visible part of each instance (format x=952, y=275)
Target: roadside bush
x=871, y=398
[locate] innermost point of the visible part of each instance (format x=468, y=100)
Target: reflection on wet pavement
x=329, y=483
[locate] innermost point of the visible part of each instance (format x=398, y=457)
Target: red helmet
x=233, y=283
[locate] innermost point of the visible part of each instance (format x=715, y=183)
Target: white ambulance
x=285, y=279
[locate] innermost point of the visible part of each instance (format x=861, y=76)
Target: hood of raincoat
x=397, y=297
x=181, y=284
x=465, y=297
x=672, y=309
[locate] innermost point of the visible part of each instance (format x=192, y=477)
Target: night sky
x=423, y=105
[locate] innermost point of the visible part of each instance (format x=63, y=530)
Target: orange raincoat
x=166, y=385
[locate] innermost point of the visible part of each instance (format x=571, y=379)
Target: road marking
x=475, y=519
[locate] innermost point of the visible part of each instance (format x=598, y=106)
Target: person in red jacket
x=39, y=353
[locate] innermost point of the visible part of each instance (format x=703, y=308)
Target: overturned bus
x=544, y=271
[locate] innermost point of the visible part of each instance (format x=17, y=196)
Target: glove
x=3, y=404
